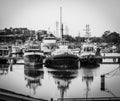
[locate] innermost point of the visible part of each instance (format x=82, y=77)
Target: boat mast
x=61, y=24
x=87, y=31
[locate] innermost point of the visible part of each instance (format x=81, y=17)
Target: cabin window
x=5, y=52
x=88, y=49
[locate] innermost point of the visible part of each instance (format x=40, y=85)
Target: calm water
x=47, y=83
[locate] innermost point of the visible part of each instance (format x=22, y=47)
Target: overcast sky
x=101, y=15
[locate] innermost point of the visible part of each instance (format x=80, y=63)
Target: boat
x=48, y=44
x=33, y=55
x=90, y=55
x=16, y=49
x=62, y=58
x=4, y=53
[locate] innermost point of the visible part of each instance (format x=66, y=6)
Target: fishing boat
x=33, y=55
x=4, y=53
x=90, y=55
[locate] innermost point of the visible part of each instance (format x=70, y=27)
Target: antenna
x=57, y=27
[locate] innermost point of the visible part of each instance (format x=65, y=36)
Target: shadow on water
x=33, y=77
x=63, y=79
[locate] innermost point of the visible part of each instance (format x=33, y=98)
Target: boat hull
x=63, y=61
x=3, y=60
x=33, y=60
x=90, y=60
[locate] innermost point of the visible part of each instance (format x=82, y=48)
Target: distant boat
x=48, y=44
x=90, y=55
x=62, y=58
x=33, y=55
x=16, y=49
x=4, y=53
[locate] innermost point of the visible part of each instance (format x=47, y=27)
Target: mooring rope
x=113, y=72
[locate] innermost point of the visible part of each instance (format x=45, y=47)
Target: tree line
x=107, y=37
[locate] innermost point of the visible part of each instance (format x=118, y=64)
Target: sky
x=101, y=15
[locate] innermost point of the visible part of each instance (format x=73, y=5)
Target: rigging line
x=110, y=92
x=112, y=74
x=111, y=71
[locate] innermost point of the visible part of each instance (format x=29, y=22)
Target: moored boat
x=32, y=54
x=90, y=55
x=62, y=58
x=48, y=44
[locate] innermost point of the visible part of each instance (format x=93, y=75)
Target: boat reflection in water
x=88, y=77
x=4, y=68
x=33, y=77
x=63, y=79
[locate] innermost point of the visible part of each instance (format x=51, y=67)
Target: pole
x=103, y=82
x=61, y=25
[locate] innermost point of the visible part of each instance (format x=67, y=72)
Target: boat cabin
x=4, y=50
x=63, y=44
x=88, y=48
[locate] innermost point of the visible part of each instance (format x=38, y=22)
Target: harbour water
x=44, y=83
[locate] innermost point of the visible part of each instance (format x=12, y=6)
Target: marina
x=59, y=50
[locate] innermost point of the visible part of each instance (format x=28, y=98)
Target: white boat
x=4, y=53
x=90, y=55
x=32, y=54
x=16, y=49
x=48, y=44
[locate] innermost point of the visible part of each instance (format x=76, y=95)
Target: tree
x=109, y=37
x=105, y=35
